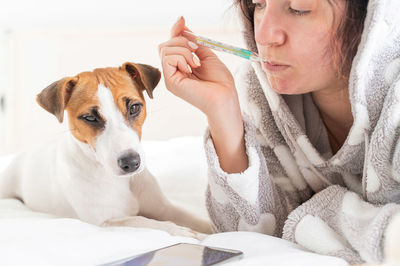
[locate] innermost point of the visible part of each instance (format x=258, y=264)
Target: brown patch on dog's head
x=147, y=77
x=78, y=96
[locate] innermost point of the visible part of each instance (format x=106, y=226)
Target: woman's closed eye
x=302, y=7
x=298, y=12
x=261, y=4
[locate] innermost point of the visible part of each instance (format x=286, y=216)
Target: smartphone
x=182, y=254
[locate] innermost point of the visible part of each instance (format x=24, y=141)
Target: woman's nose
x=269, y=30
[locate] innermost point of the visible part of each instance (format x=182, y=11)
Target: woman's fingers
x=184, y=59
x=178, y=42
x=174, y=63
x=190, y=58
x=178, y=27
x=180, y=38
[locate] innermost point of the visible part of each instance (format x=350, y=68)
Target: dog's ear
x=146, y=76
x=55, y=97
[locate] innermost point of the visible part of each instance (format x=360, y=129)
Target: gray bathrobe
x=290, y=158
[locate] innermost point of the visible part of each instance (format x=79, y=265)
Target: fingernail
x=190, y=69
x=180, y=17
x=196, y=60
x=193, y=45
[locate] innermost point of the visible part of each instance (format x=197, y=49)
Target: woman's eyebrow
x=309, y=4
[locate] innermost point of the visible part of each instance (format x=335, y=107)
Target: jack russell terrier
x=97, y=172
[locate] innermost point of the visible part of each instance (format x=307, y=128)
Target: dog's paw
x=176, y=230
x=169, y=227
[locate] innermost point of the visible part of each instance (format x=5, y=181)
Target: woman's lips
x=275, y=67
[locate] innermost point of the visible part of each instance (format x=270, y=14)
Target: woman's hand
x=204, y=82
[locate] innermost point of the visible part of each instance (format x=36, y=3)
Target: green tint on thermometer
x=219, y=46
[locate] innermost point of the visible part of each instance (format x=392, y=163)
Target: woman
x=315, y=158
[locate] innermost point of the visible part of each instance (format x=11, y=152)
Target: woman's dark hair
x=345, y=39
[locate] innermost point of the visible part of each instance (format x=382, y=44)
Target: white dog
x=97, y=173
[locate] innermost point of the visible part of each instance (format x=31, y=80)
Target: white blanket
x=32, y=238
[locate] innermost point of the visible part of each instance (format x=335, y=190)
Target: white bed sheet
x=32, y=238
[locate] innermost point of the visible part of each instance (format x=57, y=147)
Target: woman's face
x=295, y=36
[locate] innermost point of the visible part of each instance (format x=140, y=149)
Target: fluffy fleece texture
x=291, y=159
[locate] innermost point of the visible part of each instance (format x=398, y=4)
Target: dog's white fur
x=71, y=179
x=116, y=136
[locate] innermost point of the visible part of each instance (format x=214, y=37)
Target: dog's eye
x=135, y=109
x=90, y=118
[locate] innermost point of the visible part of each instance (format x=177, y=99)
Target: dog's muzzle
x=129, y=162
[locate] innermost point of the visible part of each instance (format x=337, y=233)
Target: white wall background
x=44, y=40
x=111, y=13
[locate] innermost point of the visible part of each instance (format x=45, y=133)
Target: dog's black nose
x=130, y=162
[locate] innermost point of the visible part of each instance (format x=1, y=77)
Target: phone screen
x=180, y=255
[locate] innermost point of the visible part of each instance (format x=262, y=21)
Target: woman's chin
x=286, y=87
x=282, y=87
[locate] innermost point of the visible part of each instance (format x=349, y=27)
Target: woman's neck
x=335, y=109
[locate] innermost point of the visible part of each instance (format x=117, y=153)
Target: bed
x=33, y=238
